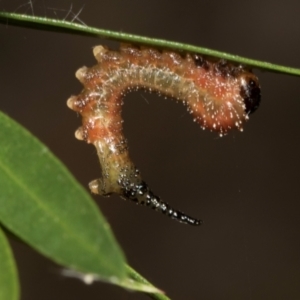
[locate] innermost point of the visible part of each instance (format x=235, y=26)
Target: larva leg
x=97, y=186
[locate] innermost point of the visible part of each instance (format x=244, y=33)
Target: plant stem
x=79, y=29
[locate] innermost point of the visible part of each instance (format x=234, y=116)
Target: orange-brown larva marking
x=219, y=95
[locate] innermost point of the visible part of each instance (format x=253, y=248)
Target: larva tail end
x=141, y=194
x=183, y=218
x=178, y=215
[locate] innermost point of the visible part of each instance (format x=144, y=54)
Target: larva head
x=250, y=92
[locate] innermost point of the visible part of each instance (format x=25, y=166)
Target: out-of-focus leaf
x=42, y=203
x=9, y=285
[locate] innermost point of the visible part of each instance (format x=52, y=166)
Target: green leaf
x=71, y=27
x=45, y=206
x=9, y=285
x=138, y=278
x=42, y=203
x=137, y=283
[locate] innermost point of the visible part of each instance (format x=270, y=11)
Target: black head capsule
x=250, y=91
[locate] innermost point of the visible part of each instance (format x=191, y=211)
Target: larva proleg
x=218, y=94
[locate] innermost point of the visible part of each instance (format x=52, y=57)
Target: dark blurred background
x=244, y=186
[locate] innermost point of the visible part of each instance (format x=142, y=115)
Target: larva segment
x=219, y=95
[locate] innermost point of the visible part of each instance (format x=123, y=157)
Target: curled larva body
x=218, y=94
